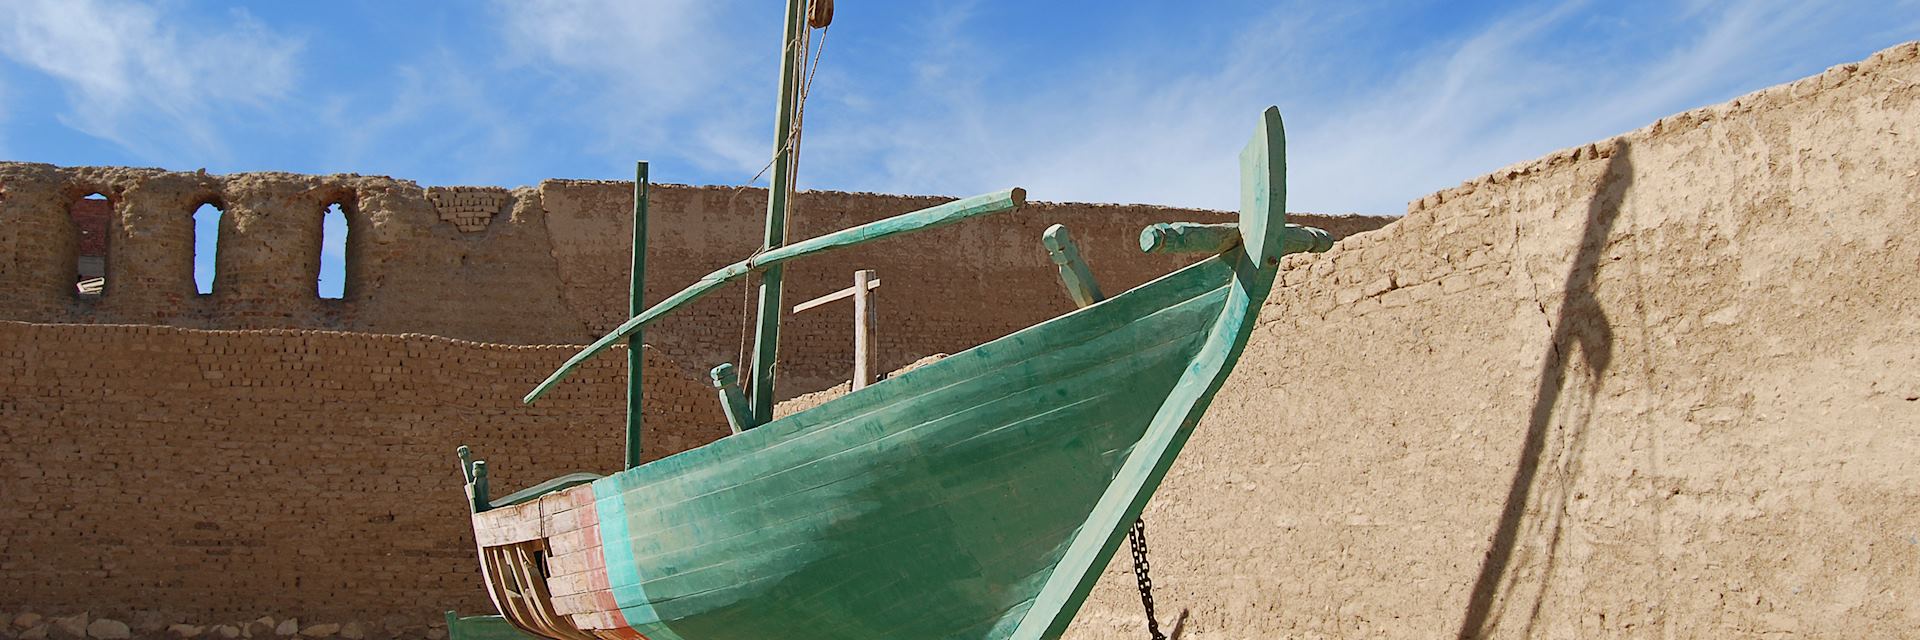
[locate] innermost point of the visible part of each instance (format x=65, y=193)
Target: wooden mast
x=636, y=303
x=766, y=339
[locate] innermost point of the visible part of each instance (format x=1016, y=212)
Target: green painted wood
x=1074, y=274
x=482, y=628
x=1189, y=237
x=766, y=336
x=1261, y=228
x=928, y=218
x=477, y=490
x=636, y=303
x=1193, y=237
x=1262, y=173
x=976, y=497
x=931, y=504
x=699, y=289
x=1299, y=239
x=732, y=401
x=466, y=463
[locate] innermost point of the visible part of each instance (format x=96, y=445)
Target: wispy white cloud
x=446, y=110
x=665, y=75
x=1455, y=108
x=138, y=78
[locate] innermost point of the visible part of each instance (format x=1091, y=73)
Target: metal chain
x=1138, y=540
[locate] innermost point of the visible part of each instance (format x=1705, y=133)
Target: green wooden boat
x=976, y=497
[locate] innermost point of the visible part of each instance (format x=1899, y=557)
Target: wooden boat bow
x=976, y=497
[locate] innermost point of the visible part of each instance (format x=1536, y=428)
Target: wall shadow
x=1581, y=323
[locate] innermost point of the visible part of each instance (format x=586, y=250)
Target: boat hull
x=976, y=497
x=933, y=504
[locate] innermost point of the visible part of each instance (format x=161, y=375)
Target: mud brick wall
x=220, y=475
x=1662, y=385
x=540, y=265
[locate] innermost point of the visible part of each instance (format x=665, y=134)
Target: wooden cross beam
x=864, y=282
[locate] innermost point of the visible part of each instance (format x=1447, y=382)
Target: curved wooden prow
x=928, y=218
x=1263, y=219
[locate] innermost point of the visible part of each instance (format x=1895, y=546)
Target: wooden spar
x=1189, y=237
x=636, y=293
x=766, y=337
x=732, y=402
x=864, y=283
x=833, y=297
x=1297, y=239
x=1194, y=237
x=928, y=218
x=1074, y=274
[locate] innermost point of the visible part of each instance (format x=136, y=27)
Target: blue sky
x=1108, y=101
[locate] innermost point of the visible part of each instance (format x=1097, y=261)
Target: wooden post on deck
x=862, y=328
x=864, y=353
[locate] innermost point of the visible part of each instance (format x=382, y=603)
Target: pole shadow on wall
x=1581, y=324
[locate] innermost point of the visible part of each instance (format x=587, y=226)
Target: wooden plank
x=1189, y=237
x=863, y=321
x=508, y=525
x=1261, y=228
x=1074, y=274
x=733, y=403
x=832, y=297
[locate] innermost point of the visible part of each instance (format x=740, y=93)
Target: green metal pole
x=636, y=303
x=766, y=340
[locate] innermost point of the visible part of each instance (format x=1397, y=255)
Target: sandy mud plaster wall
x=1662, y=385
x=544, y=265
x=216, y=476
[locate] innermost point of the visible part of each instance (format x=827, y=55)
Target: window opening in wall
x=206, y=245
x=333, y=253
x=90, y=215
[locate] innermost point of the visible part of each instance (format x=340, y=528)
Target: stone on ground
x=287, y=627
x=38, y=632
x=261, y=627
x=322, y=630
x=107, y=629
x=227, y=632
x=353, y=631
x=27, y=620
x=68, y=628
x=185, y=631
